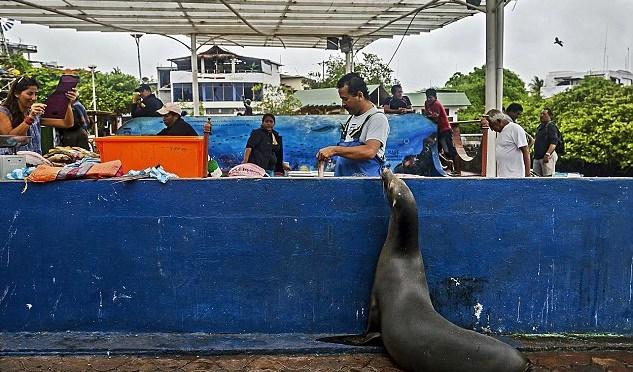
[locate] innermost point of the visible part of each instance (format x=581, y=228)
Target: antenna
x=604, y=55
x=627, y=60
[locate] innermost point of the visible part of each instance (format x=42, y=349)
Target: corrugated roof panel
x=289, y=23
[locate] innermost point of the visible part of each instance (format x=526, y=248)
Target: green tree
x=536, y=85
x=372, y=68
x=277, y=100
x=473, y=84
x=113, y=89
x=596, y=119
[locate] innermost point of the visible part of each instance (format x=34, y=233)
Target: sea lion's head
x=395, y=189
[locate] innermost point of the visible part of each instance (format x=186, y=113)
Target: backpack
x=560, y=146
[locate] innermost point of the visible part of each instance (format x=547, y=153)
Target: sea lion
x=401, y=312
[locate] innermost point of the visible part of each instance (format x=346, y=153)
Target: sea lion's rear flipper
x=367, y=339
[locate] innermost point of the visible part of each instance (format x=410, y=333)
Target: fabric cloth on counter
x=86, y=168
x=155, y=172
x=20, y=173
x=44, y=173
x=105, y=170
x=33, y=158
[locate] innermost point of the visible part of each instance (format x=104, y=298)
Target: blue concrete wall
x=295, y=255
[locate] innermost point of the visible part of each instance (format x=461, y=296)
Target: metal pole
x=4, y=41
x=137, y=39
x=94, y=99
x=194, y=75
x=491, y=83
x=499, y=53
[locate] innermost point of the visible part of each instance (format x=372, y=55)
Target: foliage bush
x=595, y=118
x=113, y=89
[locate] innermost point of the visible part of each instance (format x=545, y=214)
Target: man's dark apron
x=350, y=167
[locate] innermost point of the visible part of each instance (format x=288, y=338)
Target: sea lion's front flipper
x=367, y=339
x=371, y=337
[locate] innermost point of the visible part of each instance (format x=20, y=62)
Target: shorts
x=445, y=140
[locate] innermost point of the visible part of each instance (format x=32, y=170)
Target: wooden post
x=207, y=133
x=483, y=148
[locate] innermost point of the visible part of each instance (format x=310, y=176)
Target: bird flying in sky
x=558, y=41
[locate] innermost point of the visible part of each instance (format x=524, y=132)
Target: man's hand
x=546, y=157
x=326, y=153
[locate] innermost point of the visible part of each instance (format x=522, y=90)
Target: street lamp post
x=137, y=39
x=94, y=99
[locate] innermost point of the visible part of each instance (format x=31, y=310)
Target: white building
x=559, y=81
x=295, y=82
x=224, y=78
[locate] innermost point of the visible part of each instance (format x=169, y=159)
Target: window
x=187, y=93
x=228, y=91
x=205, y=92
x=182, y=92
x=216, y=92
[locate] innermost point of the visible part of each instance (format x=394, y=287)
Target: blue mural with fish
x=303, y=136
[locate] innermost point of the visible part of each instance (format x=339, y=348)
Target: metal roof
x=279, y=23
x=324, y=96
x=447, y=99
x=330, y=97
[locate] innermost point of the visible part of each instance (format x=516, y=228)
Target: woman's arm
x=7, y=129
x=247, y=155
x=23, y=128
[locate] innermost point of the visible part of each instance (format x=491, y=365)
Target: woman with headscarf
x=265, y=147
x=20, y=113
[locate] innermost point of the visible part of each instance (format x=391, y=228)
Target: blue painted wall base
x=297, y=255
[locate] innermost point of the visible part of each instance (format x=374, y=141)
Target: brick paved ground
x=612, y=361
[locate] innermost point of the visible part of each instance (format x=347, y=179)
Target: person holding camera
x=21, y=114
x=145, y=103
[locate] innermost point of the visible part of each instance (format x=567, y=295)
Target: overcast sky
x=422, y=60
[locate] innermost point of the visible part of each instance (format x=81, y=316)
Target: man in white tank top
x=511, y=150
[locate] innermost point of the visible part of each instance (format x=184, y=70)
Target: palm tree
x=536, y=85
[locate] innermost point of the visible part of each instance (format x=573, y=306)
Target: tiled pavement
x=582, y=361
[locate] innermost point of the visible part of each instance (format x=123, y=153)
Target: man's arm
x=409, y=106
x=548, y=153
x=432, y=113
x=149, y=108
x=362, y=152
x=389, y=110
x=526, y=160
x=387, y=107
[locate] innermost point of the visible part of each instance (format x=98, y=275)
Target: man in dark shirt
x=545, y=142
x=145, y=102
x=397, y=103
x=176, y=126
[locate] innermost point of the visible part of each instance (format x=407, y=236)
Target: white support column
x=194, y=75
x=491, y=81
x=349, y=61
x=499, y=53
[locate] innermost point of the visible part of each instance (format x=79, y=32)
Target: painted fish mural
x=302, y=136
